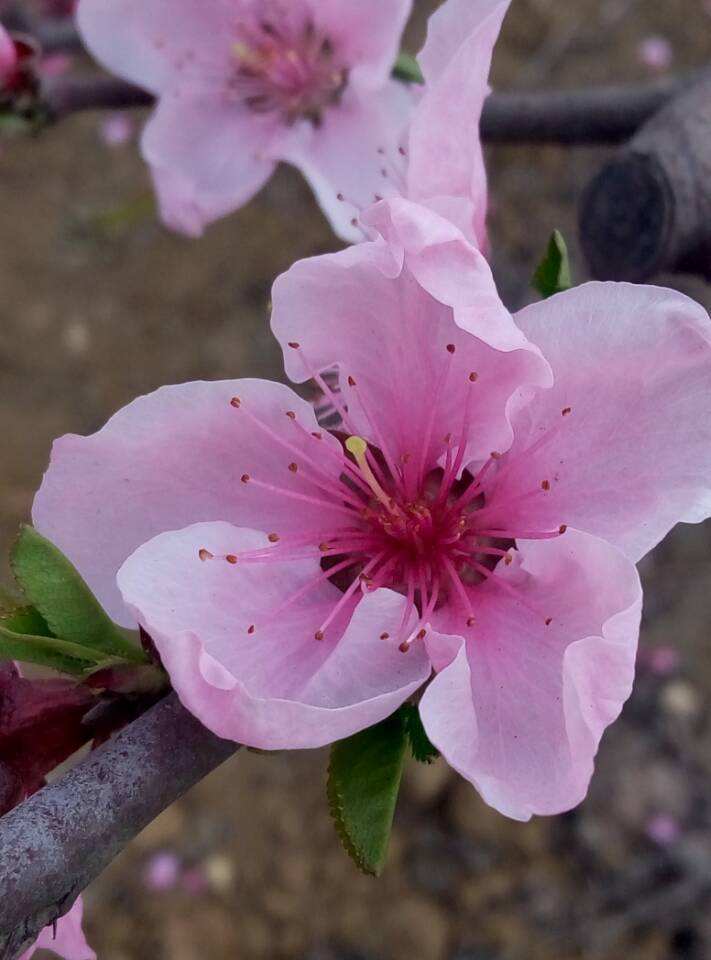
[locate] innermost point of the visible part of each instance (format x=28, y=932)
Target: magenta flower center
x=421, y=528
x=285, y=66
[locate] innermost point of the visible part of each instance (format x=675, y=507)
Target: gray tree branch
x=54, y=844
x=607, y=114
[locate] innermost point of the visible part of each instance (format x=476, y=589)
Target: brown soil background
x=98, y=304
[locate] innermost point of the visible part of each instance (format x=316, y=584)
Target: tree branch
x=54, y=844
x=608, y=114
x=648, y=210
x=597, y=115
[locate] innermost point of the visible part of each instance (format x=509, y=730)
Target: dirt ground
x=98, y=304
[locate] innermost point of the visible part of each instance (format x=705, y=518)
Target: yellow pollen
x=359, y=448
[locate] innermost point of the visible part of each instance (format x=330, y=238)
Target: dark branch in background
x=54, y=35
x=648, y=211
x=598, y=115
x=54, y=844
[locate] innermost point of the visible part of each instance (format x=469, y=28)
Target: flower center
x=410, y=524
x=287, y=67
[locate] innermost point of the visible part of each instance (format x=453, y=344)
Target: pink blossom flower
x=468, y=514
x=246, y=83
x=65, y=939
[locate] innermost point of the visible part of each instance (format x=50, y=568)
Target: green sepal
x=553, y=274
x=407, y=69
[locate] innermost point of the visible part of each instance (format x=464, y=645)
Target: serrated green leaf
x=363, y=784
x=423, y=750
x=407, y=69
x=46, y=652
x=57, y=590
x=553, y=274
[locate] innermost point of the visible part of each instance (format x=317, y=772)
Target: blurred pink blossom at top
x=244, y=85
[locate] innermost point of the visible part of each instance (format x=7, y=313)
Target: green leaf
x=407, y=69
x=422, y=749
x=56, y=589
x=553, y=273
x=363, y=783
x=46, y=652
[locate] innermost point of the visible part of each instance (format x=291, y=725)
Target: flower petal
x=67, y=940
x=444, y=144
x=632, y=454
x=353, y=154
x=174, y=458
x=362, y=311
x=521, y=709
x=153, y=42
x=208, y=158
x=278, y=687
x=366, y=34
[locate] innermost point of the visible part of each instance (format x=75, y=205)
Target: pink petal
x=168, y=460
x=278, y=687
x=353, y=154
x=444, y=146
x=451, y=269
x=521, y=710
x=155, y=43
x=632, y=455
x=208, y=158
x=68, y=941
x=366, y=34
x=359, y=310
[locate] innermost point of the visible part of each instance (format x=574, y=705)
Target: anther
x=351, y=382
x=291, y=415
x=294, y=345
x=317, y=436
x=293, y=467
x=495, y=455
x=236, y=402
x=562, y=528
x=324, y=547
x=549, y=621
x=341, y=199
x=508, y=560
x=384, y=636
x=473, y=377
x=205, y=554
x=451, y=348
x=273, y=538
x=251, y=629
x=471, y=621
x=231, y=558
x=245, y=478
x=545, y=484
x=566, y=410
x=318, y=635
